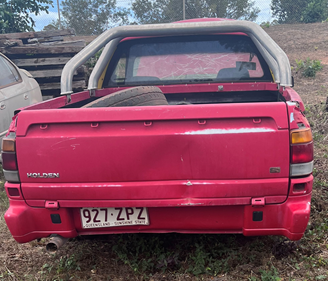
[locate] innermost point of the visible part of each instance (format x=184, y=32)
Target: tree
x=293, y=11
x=54, y=25
x=161, y=11
x=15, y=15
x=316, y=10
x=288, y=11
x=92, y=17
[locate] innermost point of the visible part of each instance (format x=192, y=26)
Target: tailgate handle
x=51, y=205
x=257, y=120
x=201, y=122
x=94, y=125
x=148, y=123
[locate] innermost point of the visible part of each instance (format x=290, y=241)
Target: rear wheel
x=137, y=96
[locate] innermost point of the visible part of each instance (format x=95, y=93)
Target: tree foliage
x=288, y=11
x=292, y=11
x=316, y=10
x=54, y=25
x=92, y=17
x=160, y=11
x=15, y=15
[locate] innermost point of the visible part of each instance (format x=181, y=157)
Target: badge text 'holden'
x=43, y=175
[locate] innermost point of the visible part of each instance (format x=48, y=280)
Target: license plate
x=109, y=217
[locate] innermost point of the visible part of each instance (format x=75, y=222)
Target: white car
x=17, y=89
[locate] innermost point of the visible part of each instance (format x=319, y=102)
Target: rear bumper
x=287, y=219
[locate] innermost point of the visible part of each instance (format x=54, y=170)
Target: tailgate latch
x=258, y=202
x=51, y=205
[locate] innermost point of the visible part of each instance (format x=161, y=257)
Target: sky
x=44, y=19
x=265, y=14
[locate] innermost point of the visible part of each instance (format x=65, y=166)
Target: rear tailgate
x=190, y=152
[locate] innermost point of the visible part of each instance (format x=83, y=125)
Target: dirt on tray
x=202, y=257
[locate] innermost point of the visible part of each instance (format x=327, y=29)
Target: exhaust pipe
x=55, y=243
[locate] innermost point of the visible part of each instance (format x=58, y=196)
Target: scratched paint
x=191, y=204
x=201, y=183
x=227, y=131
x=189, y=183
x=291, y=117
x=105, y=185
x=62, y=144
x=74, y=145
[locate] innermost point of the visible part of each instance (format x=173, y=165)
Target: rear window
x=217, y=58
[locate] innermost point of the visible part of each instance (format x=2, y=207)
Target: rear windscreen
x=189, y=59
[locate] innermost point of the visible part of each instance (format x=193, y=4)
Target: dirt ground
x=202, y=257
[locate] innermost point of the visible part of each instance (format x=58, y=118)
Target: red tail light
x=302, y=153
x=9, y=161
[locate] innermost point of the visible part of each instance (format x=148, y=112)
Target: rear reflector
x=302, y=169
x=302, y=153
x=9, y=161
x=55, y=218
x=8, y=145
x=301, y=136
x=258, y=216
x=299, y=187
x=13, y=191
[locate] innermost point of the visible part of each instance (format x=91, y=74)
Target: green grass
x=308, y=68
x=3, y=197
x=194, y=254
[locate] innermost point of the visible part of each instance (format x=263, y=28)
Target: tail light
x=9, y=161
x=301, y=148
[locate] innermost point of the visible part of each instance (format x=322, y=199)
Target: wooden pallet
x=44, y=55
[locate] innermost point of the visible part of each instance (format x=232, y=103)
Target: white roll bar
x=271, y=52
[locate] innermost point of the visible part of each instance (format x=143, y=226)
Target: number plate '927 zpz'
x=109, y=217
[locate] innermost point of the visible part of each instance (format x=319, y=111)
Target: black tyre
x=137, y=96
